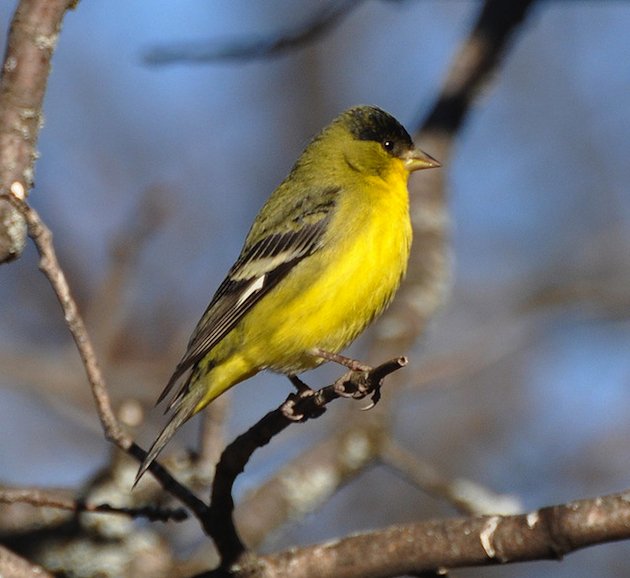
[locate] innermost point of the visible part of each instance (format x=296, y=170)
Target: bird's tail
x=184, y=409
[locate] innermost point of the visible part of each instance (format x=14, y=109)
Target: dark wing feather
x=243, y=288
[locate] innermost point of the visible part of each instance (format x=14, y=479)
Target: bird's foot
x=291, y=407
x=303, y=389
x=358, y=385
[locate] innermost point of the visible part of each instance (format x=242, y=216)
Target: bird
x=322, y=259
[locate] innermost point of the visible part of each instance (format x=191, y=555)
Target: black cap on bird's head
x=370, y=123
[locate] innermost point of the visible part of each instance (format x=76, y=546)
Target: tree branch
x=31, y=42
x=254, y=48
x=49, y=265
x=13, y=566
x=476, y=61
x=410, y=549
x=219, y=523
x=61, y=499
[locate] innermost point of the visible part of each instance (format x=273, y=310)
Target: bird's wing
x=259, y=268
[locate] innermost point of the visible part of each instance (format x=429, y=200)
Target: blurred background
x=170, y=163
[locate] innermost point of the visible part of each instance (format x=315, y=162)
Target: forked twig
x=219, y=524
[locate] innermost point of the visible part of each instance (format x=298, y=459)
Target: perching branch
x=219, y=523
x=30, y=45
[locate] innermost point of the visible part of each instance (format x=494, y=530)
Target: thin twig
x=61, y=500
x=42, y=237
x=49, y=265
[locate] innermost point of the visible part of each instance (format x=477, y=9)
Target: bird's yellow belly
x=326, y=307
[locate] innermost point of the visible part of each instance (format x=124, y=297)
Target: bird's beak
x=416, y=160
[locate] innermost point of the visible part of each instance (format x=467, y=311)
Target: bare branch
x=409, y=549
x=254, y=48
x=42, y=237
x=219, y=523
x=477, y=60
x=62, y=500
x=13, y=566
x=48, y=264
x=31, y=42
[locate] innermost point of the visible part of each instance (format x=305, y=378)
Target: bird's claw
x=376, y=397
x=358, y=386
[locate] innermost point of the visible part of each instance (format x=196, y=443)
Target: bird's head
x=371, y=142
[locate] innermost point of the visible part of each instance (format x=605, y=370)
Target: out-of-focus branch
x=31, y=42
x=410, y=549
x=61, y=499
x=306, y=483
x=253, y=48
x=13, y=566
x=428, y=276
x=476, y=62
x=467, y=496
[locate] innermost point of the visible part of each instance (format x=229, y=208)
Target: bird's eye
x=388, y=145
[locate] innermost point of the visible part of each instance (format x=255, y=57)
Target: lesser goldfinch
x=323, y=258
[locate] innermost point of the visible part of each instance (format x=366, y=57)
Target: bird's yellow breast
x=329, y=298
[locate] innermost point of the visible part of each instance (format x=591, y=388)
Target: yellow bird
x=323, y=258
